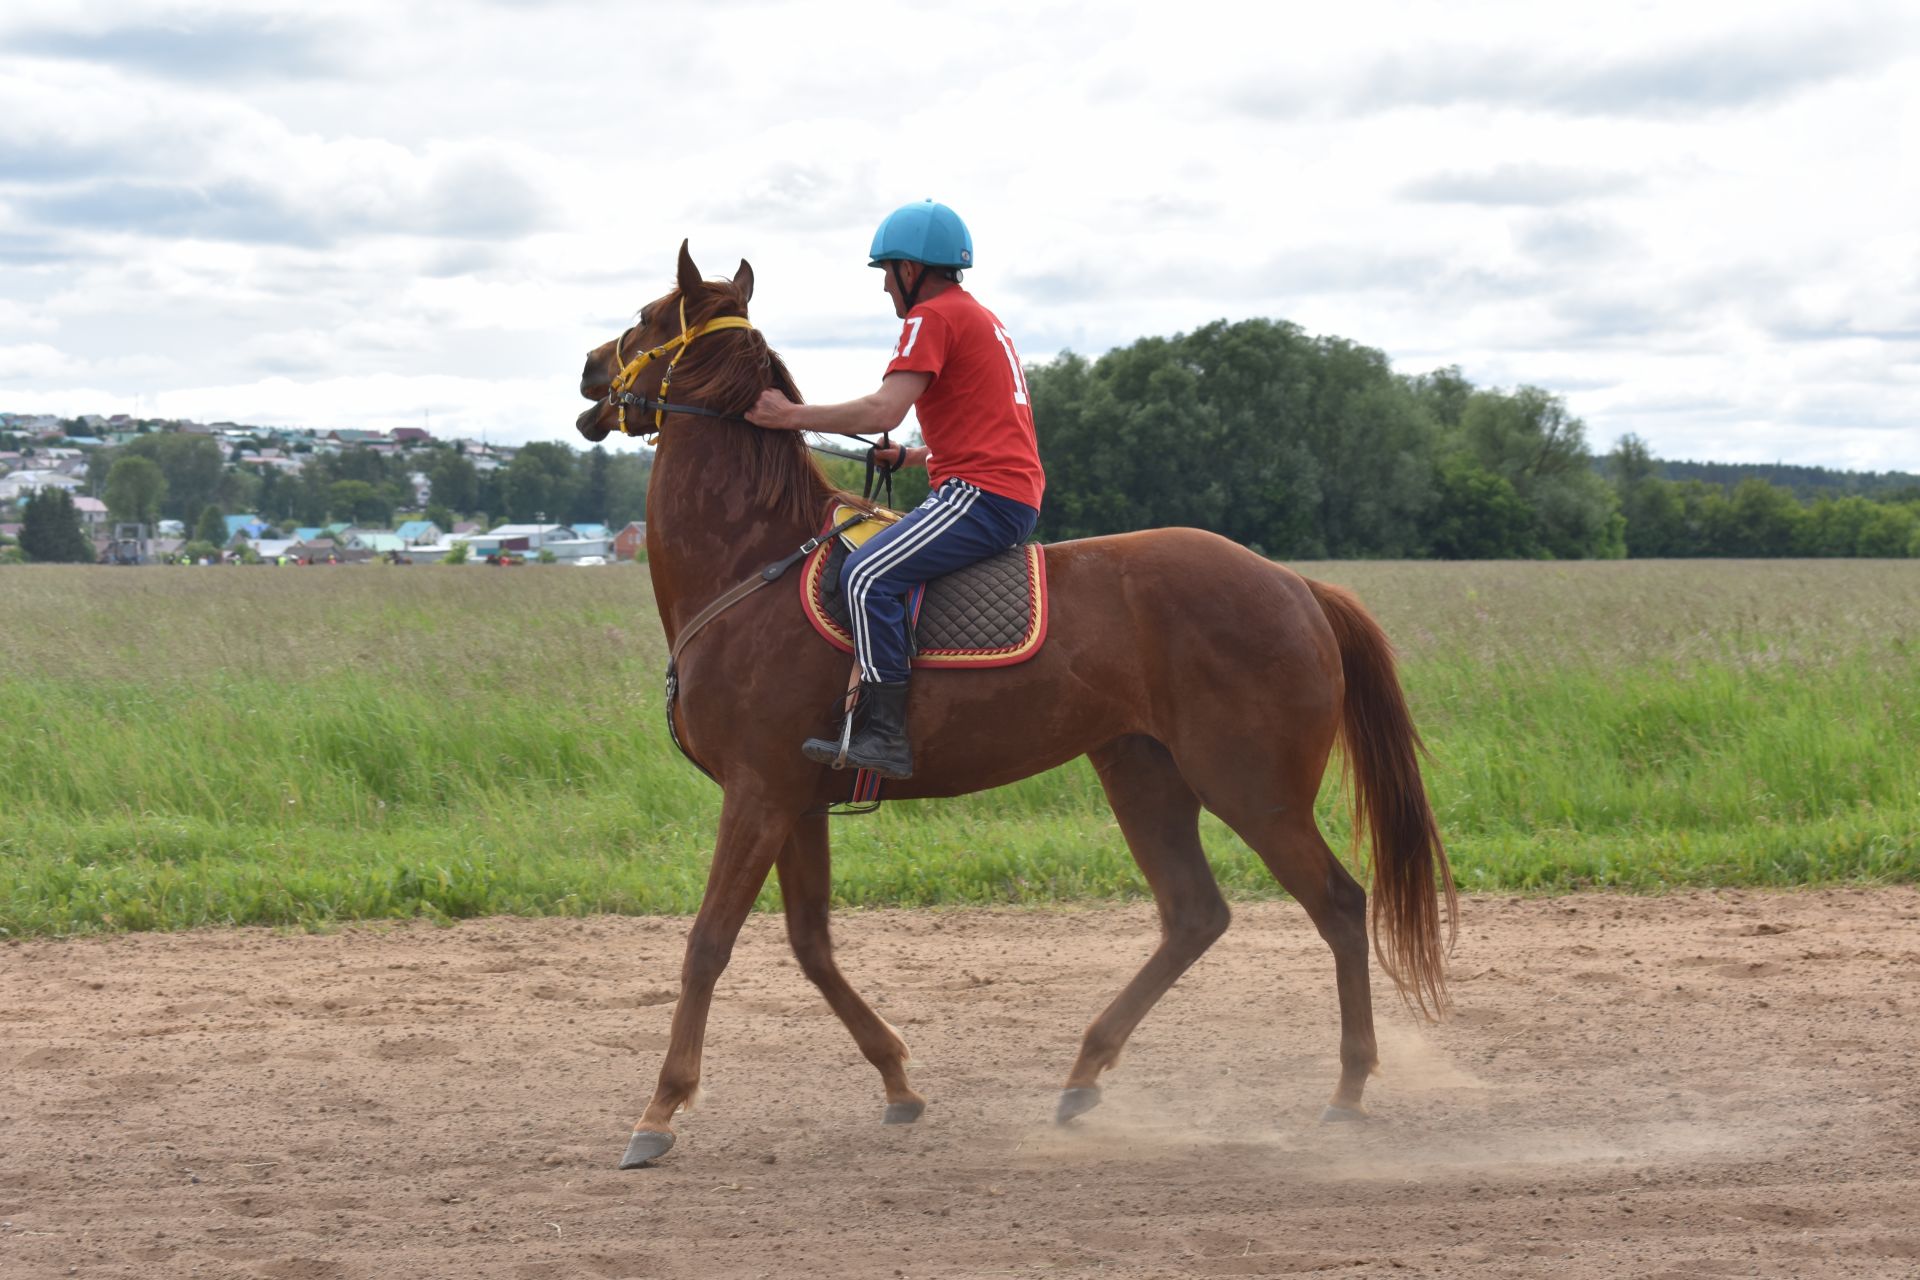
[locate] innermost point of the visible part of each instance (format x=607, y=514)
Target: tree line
x=1311, y=447
x=182, y=477
x=1300, y=446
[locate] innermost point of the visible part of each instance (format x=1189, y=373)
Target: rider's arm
x=882, y=411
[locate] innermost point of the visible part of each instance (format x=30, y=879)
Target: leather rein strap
x=732, y=596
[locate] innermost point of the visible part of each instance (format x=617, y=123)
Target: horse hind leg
x=805, y=869
x=1288, y=840
x=1160, y=817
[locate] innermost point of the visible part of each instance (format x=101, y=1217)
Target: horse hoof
x=1343, y=1115
x=903, y=1112
x=1076, y=1102
x=646, y=1146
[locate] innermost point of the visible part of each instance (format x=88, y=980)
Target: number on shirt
x=1013, y=360
x=908, y=336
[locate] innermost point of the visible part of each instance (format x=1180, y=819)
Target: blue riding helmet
x=923, y=232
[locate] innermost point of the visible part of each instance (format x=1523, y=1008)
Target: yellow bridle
x=630, y=372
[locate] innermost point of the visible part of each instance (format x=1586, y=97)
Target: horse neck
x=705, y=533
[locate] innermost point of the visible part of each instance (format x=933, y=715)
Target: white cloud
x=1682, y=217
x=36, y=360
x=16, y=318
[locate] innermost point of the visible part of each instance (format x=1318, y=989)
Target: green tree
x=1088, y=470
x=1652, y=511
x=50, y=529
x=194, y=467
x=1298, y=445
x=238, y=490
x=627, y=478
x=1889, y=531
x=360, y=502
x=1763, y=520
x=442, y=517
x=1527, y=437
x=311, y=495
x=135, y=488
x=1478, y=516
x=1444, y=393
x=1656, y=521
x=1835, y=526
x=277, y=497
x=360, y=464
x=210, y=527
x=594, y=498
x=541, y=480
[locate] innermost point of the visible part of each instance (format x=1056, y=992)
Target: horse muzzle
x=592, y=422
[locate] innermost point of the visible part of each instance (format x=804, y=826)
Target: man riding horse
x=956, y=366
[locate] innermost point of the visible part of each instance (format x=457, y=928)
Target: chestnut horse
x=1192, y=671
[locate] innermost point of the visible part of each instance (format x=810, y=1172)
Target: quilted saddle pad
x=990, y=614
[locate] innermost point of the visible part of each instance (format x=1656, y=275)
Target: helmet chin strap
x=908, y=297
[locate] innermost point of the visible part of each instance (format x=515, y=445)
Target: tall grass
x=188, y=746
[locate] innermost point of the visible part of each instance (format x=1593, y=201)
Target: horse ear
x=743, y=281
x=689, y=274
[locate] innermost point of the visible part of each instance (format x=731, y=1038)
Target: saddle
x=989, y=614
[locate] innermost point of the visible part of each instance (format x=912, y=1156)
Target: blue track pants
x=957, y=525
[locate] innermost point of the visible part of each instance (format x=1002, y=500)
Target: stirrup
x=846, y=740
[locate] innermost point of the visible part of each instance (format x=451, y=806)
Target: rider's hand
x=772, y=409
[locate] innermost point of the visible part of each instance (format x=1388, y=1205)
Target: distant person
x=956, y=366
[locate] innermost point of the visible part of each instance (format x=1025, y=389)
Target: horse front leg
x=752, y=832
x=806, y=873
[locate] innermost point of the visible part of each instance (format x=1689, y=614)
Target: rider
x=956, y=367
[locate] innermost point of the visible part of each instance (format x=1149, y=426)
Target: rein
x=734, y=595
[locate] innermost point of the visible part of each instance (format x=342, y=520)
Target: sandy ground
x=1691, y=1086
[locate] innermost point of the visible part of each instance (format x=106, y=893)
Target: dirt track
x=1692, y=1086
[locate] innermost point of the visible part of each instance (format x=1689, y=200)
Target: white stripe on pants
x=895, y=553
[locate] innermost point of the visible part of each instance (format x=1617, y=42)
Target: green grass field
x=299, y=746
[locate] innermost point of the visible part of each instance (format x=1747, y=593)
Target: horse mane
x=726, y=372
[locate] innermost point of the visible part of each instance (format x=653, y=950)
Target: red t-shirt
x=974, y=415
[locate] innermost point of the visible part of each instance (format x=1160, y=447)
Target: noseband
x=620, y=392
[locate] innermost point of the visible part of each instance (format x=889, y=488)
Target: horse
x=1193, y=672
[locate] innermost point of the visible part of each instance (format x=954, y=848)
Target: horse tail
x=1381, y=761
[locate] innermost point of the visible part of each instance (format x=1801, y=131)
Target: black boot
x=879, y=733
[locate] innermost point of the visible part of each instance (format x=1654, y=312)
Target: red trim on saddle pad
x=814, y=569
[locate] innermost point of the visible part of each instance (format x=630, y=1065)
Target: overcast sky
x=1699, y=222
